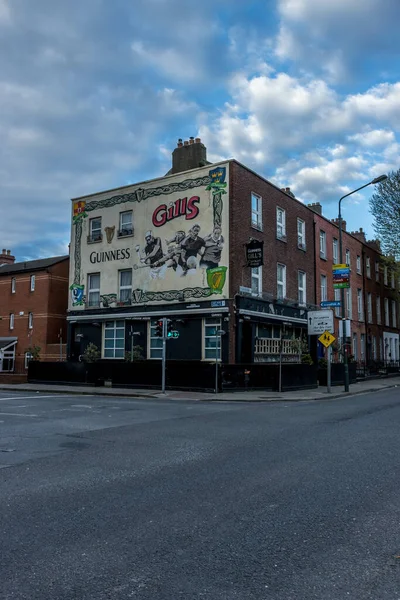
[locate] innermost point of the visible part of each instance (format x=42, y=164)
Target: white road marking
x=17, y=414
x=32, y=397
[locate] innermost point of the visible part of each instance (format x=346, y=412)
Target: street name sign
x=319, y=321
x=326, y=339
x=330, y=304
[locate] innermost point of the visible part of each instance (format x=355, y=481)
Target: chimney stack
x=6, y=258
x=190, y=154
x=360, y=235
x=336, y=222
x=316, y=207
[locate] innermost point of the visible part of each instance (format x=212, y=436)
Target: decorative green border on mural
x=211, y=181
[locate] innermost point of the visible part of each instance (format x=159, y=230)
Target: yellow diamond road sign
x=326, y=339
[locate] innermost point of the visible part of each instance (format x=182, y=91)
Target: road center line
x=33, y=397
x=17, y=414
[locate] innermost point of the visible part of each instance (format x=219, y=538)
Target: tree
x=385, y=208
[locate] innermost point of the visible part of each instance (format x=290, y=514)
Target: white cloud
x=336, y=37
x=374, y=138
x=274, y=117
x=5, y=12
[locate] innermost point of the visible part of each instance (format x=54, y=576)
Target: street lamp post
x=346, y=364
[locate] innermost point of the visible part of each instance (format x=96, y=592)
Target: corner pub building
x=176, y=247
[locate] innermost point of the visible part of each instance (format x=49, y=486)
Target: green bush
x=91, y=354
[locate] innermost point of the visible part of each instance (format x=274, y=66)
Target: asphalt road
x=115, y=498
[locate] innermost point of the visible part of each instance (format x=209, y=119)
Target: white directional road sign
x=320, y=321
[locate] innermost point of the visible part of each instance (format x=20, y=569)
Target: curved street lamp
x=346, y=364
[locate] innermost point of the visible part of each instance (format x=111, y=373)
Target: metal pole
x=328, y=378
x=216, y=361
x=280, y=363
x=346, y=365
x=60, y=345
x=131, y=343
x=164, y=353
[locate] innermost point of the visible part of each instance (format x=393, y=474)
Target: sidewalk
x=249, y=396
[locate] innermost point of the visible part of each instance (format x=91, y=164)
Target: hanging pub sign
x=255, y=253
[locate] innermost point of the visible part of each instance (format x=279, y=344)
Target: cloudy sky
x=94, y=95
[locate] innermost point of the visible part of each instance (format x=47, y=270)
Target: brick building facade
x=130, y=253
x=255, y=308
x=33, y=305
x=373, y=337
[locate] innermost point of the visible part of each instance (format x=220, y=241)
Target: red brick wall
x=48, y=303
x=242, y=183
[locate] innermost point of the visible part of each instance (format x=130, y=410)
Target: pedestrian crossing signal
x=159, y=329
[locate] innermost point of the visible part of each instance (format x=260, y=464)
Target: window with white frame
x=32, y=283
x=392, y=283
x=376, y=271
x=335, y=251
x=13, y=285
x=155, y=343
x=386, y=309
x=256, y=211
x=355, y=353
x=349, y=305
x=95, y=234
x=93, y=298
x=369, y=307
x=374, y=357
x=322, y=244
x=368, y=266
x=280, y=223
x=358, y=264
x=12, y=319
x=114, y=339
x=362, y=346
x=30, y=320
x=348, y=257
x=281, y=281
x=27, y=359
x=256, y=281
x=211, y=339
x=337, y=298
x=360, y=305
x=324, y=288
x=125, y=223
x=385, y=275
x=301, y=234
x=394, y=316
x=125, y=286
x=302, y=297
x=378, y=310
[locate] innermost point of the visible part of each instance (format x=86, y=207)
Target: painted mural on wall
x=178, y=248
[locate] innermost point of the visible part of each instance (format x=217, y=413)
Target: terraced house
x=33, y=306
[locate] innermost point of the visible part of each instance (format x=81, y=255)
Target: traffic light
x=170, y=327
x=159, y=328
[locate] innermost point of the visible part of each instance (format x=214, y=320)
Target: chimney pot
x=8, y=252
x=3, y=251
x=186, y=143
x=180, y=143
x=191, y=140
x=197, y=140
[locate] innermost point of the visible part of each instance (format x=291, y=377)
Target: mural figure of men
x=193, y=243
x=175, y=254
x=153, y=250
x=211, y=253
